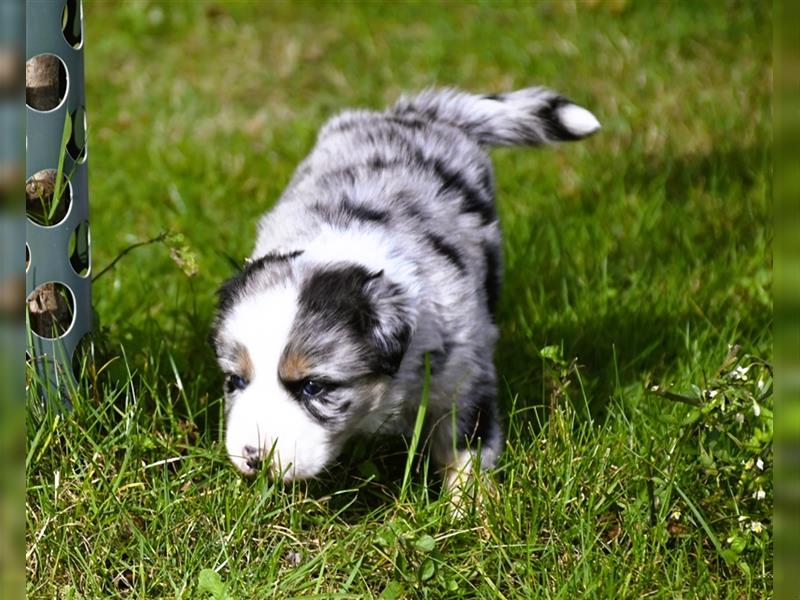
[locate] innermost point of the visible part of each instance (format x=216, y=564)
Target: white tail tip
x=578, y=121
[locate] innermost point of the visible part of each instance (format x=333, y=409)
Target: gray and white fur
x=385, y=246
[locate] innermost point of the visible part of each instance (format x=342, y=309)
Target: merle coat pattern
x=385, y=246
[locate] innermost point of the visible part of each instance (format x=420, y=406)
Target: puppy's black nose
x=252, y=457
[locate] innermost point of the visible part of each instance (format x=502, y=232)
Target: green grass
x=634, y=259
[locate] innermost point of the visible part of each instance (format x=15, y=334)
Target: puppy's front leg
x=466, y=442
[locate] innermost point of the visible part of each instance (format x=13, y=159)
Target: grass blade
x=65, y=135
x=418, y=423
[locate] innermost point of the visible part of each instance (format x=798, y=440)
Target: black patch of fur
x=477, y=421
x=323, y=409
x=377, y=162
x=392, y=133
x=313, y=409
x=360, y=212
x=472, y=201
x=486, y=180
x=408, y=122
x=230, y=289
x=439, y=358
x=492, y=280
x=362, y=125
x=271, y=258
x=348, y=211
x=431, y=113
x=337, y=296
x=496, y=97
x=391, y=351
x=473, y=204
x=320, y=408
x=452, y=180
x=447, y=250
x=342, y=298
x=555, y=128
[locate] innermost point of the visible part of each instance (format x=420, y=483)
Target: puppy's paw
x=466, y=486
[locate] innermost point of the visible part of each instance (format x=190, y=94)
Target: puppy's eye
x=312, y=389
x=235, y=382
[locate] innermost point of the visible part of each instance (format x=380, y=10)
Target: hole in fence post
x=72, y=23
x=40, y=205
x=78, y=250
x=27, y=257
x=76, y=146
x=45, y=82
x=51, y=309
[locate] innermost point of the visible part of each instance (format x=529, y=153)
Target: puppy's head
x=307, y=350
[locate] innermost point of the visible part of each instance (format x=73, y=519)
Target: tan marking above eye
x=293, y=366
x=244, y=364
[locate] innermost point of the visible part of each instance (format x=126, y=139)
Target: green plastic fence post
x=58, y=265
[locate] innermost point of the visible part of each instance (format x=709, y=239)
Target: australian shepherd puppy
x=384, y=247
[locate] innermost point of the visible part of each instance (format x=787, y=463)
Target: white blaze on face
x=264, y=414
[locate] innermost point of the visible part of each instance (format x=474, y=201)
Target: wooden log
x=43, y=82
x=49, y=310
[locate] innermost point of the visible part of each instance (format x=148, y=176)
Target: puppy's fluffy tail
x=529, y=117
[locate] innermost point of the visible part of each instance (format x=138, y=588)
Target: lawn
x=636, y=316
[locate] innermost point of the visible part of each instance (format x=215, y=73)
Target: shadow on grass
x=618, y=348
x=627, y=342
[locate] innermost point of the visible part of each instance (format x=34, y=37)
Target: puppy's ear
x=376, y=313
x=395, y=321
